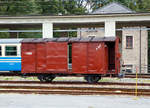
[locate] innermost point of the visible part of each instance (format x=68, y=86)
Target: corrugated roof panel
x=97, y=39
x=38, y=40
x=86, y=39
x=27, y=40
x=64, y=39
x=50, y=39
x=73, y=39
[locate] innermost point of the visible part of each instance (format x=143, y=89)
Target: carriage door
x=56, y=57
x=97, y=58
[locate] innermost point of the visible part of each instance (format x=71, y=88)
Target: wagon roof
x=73, y=39
x=10, y=41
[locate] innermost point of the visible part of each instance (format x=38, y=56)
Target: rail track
x=73, y=88
x=139, y=76
x=73, y=83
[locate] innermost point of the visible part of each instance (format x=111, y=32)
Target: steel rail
x=74, y=83
x=72, y=90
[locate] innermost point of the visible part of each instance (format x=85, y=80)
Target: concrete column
x=47, y=30
x=3, y=50
x=110, y=28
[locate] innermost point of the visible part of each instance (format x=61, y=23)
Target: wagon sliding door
x=28, y=54
x=97, y=58
x=56, y=57
x=89, y=58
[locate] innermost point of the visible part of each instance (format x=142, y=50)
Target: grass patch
x=109, y=79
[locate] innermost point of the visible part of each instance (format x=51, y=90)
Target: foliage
x=16, y=7
x=41, y=7
x=64, y=7
x=61, y=7
x=4, y=35
x=30, y=35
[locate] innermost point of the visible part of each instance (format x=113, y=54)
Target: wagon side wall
x=28, y=54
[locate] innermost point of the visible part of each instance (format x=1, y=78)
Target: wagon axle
x=46, y=78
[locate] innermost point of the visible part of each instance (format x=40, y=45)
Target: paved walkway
x=67, y=101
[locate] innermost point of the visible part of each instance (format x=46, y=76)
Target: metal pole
x=140, y=54
x=136, y=87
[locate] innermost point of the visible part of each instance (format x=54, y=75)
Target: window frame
x=92, y=29
x=0, y=50
x=11, y=46
x=128, y=44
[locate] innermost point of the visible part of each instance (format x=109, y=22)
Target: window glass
x=129, y=42
x=70, y=53
x=11, y=50
x=0, y=51
x=70, y=56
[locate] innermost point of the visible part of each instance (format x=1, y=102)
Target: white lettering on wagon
x=99, y=46
x=28, y=53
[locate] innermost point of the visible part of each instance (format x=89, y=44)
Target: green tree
x=17, y=7
x=59, y=7
x=74, y=7
x=49, y=7
x=142, y=5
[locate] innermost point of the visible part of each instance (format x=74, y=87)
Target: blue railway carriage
x=10, y=55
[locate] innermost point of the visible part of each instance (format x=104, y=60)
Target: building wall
x=132, y=56
x=86, y=32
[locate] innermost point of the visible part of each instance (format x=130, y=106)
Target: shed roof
x=113, y=7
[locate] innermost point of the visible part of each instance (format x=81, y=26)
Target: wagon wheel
x=49, y=78
x=92, y=78
x=45, y=78
x=41, y=78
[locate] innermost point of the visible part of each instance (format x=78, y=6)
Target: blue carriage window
x=0, y=51
x=11, y=50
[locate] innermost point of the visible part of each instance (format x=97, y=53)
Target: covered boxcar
x=90, y=57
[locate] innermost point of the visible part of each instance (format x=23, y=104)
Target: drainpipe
x=140, y=54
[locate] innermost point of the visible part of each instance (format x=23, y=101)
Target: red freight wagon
x=90, y=57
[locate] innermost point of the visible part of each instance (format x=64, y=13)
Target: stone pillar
x=144, y=50
x=47, y=29
x=110, y=28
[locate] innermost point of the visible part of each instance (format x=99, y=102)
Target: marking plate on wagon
x=28, y=53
